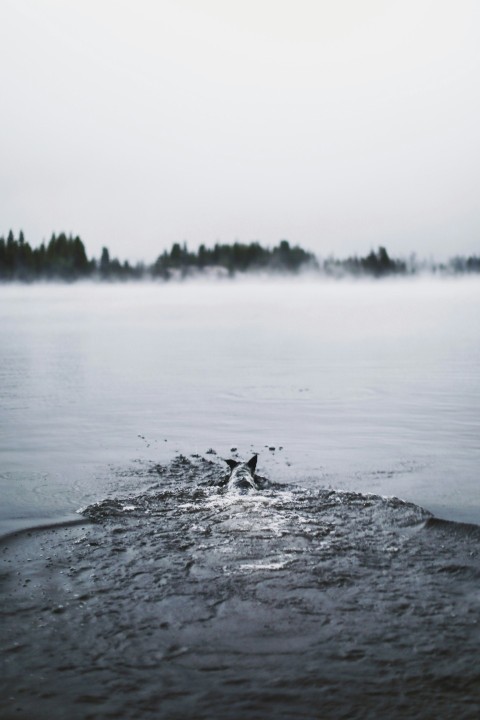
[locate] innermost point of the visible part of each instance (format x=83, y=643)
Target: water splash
x=186, y=600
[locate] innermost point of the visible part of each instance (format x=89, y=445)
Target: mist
x=339, y=127
x=320, y=161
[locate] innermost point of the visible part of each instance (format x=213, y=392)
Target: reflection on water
x=367, y=386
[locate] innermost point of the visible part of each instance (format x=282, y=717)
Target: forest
x=65, y=258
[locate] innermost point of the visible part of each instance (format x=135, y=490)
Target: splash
x=261, y=605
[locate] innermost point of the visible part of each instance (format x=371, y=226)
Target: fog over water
x=366, y=386
x=342, y=581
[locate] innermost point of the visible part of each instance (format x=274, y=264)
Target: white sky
x=337, y=124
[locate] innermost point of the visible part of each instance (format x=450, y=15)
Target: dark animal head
x=242, y=475
x=251, y=464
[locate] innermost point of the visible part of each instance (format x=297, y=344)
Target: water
x=188, y=600
x=372, y=387
x=333, y=591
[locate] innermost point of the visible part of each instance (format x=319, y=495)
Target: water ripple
x=187, y=601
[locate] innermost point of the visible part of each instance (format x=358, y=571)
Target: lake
x=334, y=589
x=366, y=386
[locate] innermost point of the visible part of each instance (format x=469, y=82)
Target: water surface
x=368, y=386
x=333, y=591
x=189, y=600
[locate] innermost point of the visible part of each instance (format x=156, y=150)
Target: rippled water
x=188, y=600
x=371, y=387
x=333, y=591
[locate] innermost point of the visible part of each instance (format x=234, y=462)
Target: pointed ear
x=252, y=463
x=232, y=464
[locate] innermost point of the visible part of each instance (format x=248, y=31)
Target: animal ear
x=252, y=463
x=232, y=464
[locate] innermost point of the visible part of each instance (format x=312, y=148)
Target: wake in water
x=190, y=600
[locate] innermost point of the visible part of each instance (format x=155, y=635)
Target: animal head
x=242, y=475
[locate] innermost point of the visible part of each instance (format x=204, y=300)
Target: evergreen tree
x=105, y=262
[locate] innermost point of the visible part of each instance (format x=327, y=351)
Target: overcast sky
x=337, y=124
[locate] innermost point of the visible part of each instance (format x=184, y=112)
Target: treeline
x=233, y=258
x=65, y=258
x=376, y=264
x=62, y=258
x=380, y=264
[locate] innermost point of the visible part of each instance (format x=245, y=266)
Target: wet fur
x=242, y=475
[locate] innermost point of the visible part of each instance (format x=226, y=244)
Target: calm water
x=372, y=387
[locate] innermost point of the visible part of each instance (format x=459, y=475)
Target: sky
x=340, y=125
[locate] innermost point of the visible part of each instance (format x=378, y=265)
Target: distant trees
x=377, y=264
x=465, y=265
x=62, y=258
x=105, y=263
x=234, y=258
x=65, y=258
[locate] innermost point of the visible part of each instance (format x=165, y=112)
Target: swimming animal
x=242, y=475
